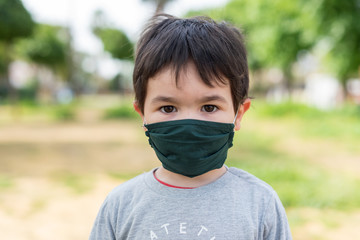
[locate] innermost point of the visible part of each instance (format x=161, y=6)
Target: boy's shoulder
x=247, y=180
x=127, y=189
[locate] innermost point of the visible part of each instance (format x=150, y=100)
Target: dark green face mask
x=190, y=147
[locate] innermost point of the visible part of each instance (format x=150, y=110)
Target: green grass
x=123, y=176
x=34, y=112
x=303, y=111
x=31, y=111
x=77, y=183
x=123, y=111
x=287, y=109
x=342, y=122
x=64, y=112
x=5, y=182
x=341, y=126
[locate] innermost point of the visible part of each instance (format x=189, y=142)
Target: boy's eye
x=209, y=108
x=168, y=109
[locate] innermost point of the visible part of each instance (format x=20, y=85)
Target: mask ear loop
x=237, y=111
x=235, y=117
x=144, y=123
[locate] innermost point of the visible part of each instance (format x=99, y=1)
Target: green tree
x=51, y=47
x=47, y=47
x=3, y=63
x=114, y=40
x=116, y=43
x=15, y=22
x=338, y=26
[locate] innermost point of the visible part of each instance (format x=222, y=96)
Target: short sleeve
x=103, y=227
x=275, y=223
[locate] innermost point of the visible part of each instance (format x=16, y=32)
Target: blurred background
x=68, y=133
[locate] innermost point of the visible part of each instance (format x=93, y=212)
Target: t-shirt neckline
x=164, y=190
x=169, y=185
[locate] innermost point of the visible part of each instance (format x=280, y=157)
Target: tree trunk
x=289, y=82
x=160, y=6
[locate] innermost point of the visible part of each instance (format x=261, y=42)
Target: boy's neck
x=182, y=181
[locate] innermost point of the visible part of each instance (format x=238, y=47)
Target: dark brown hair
x=217, y=50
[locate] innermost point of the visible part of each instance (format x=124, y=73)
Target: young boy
x=191, y=89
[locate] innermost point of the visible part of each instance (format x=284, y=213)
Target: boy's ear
x=242, y=110
x=138, y=110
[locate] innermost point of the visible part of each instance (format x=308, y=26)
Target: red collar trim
x=169, y=185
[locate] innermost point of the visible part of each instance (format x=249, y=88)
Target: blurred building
x=323, y=91
x=353, y=88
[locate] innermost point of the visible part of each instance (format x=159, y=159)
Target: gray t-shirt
x=236, y=206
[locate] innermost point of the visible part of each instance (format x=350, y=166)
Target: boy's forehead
x=179, y=75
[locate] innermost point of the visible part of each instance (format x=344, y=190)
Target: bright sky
x=129, y=15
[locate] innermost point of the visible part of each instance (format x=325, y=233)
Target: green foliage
x=116, y=43
x=48, y=46
x=3, y=59
x=15, y=20
x=124, y=111
x=339, y=26
x=114, y=40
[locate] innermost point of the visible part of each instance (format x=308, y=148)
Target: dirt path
x=324, y=224
x=39, y=209
x=32, y=150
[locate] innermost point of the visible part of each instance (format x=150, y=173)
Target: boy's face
x=191, y=98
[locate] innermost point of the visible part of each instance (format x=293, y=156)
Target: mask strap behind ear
x=237, y=111
x=235, y=117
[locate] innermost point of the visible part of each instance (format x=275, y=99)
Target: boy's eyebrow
x=163, y=99
x=213, y=98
